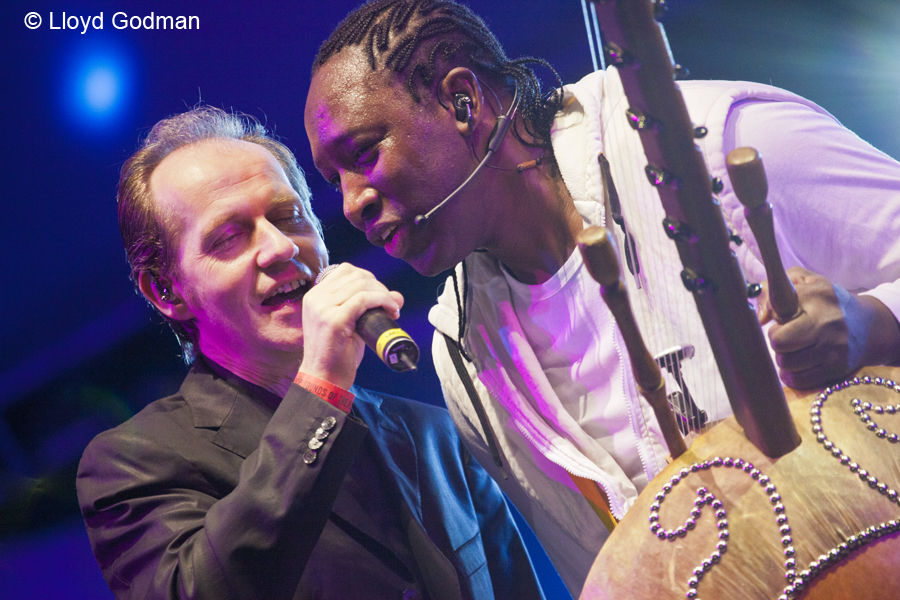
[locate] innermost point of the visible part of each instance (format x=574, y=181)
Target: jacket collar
x=222, y=401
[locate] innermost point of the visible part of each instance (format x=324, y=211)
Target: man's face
x=247, y=251
x=393, y=159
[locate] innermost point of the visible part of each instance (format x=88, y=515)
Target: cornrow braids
x=398, y=33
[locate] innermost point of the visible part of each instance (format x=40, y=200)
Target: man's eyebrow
x=345, y=139
x=339, y=147
x=215, y=225
x=282, y=201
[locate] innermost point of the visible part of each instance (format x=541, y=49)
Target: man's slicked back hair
x=150, y=236
x=409, y=37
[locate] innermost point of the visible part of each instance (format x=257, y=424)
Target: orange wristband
x=330, y=393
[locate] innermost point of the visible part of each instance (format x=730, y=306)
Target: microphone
x=501, y=127
x=383, y=336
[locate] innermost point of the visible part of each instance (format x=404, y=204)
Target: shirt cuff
x=889, y=295
x=330, y=393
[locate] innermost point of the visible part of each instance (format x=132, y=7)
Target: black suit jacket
x=209, y=494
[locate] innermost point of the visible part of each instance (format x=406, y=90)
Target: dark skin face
x=391, y=159
x=394, y=159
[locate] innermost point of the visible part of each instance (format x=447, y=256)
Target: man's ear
x=460, y=93
x=160, y=293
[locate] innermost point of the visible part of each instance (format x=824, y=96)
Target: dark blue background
x=81, y=352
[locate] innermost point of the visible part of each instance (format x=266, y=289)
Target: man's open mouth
x=289, y=292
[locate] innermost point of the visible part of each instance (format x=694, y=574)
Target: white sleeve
x=836, y=199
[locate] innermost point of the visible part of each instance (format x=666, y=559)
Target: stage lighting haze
x=97, y=88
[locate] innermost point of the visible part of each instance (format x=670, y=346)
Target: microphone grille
x=325, y=272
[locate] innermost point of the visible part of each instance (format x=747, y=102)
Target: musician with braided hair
x=450, y=156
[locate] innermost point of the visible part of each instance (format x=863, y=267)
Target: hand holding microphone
x=375, y=326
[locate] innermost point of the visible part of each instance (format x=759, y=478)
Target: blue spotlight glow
x=97, y=88
x=101, y=89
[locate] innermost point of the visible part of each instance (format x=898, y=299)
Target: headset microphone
x=501, y=127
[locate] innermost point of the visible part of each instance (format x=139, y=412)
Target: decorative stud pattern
x=861, y=409
x=796, y=581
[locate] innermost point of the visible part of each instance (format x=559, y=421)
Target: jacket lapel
x=389, y=464
x=220, y=402
x=400, y=456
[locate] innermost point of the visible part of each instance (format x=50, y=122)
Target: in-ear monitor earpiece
x=462, y=104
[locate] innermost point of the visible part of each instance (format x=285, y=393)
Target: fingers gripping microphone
x=383, y=336
x=496, y=138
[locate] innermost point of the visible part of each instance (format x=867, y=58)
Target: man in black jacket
x=268, y=475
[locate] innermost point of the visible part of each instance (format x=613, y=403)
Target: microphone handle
x=392, y=345
x=380, y=333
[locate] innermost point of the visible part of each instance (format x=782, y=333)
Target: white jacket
x=830, y=192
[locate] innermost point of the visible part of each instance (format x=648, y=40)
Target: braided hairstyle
x=410, y=36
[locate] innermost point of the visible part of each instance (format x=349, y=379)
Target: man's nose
x=274, y=246
x=360, y=202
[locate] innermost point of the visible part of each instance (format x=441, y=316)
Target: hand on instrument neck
x=837, y=333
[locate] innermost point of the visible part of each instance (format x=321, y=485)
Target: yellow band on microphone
x=387, y=337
